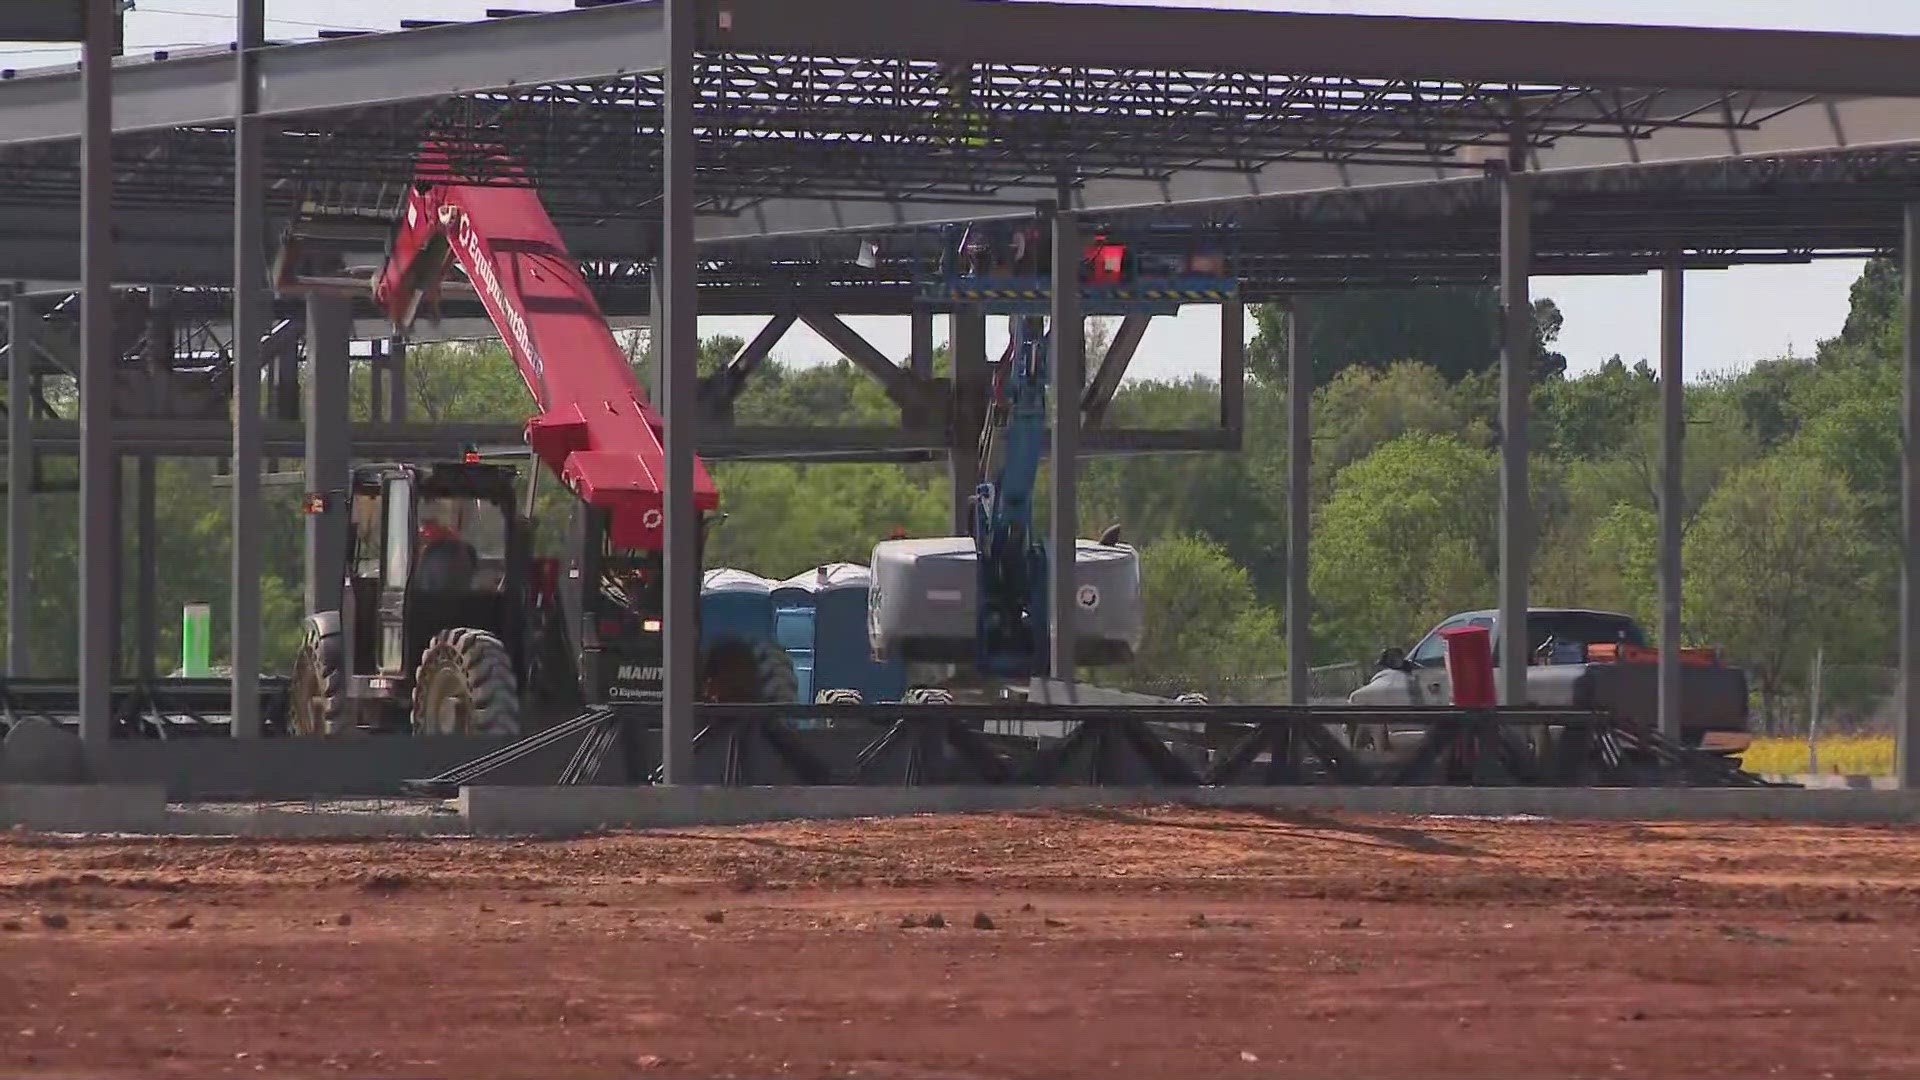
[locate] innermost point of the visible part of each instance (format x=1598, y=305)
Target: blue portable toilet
x=792, y=610
x=735, y=604
x=842, y=654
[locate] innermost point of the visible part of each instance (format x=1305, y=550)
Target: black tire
x=465, y=686
x=317, y=700
x=748, y=672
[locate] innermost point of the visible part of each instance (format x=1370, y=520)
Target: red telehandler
x=448, y=623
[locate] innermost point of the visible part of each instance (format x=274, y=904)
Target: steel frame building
x=787, y=158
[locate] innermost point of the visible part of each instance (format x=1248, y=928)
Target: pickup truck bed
x=1714, y=696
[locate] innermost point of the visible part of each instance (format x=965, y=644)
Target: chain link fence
x=1853, y=699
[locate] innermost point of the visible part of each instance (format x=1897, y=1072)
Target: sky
x=1734, y=317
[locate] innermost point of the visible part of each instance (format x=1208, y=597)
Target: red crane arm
x=595, y=428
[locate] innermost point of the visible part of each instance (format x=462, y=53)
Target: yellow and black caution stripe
x=1195, y=296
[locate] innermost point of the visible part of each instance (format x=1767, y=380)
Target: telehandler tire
x=465, y=686
x=317, y=701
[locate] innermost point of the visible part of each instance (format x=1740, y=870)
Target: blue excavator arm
x=1012, y=560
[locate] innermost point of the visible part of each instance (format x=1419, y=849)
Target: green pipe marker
x=196, y=636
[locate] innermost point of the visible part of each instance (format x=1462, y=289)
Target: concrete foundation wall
x=539, y=810
x=83, y=807
x=568, y=810
x=372, y=767
x=194, y=769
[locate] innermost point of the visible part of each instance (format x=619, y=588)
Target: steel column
x=377, y=382
x=286, y=379
x=329, y=321
x=920, y=336
x=1068, y=354
x=250, y=309
x=146, y=602
x=967, y=331
x=117, y=559
x=397, y=373
x=97, y=360
x=680, y=371
x=22, y=322
x=1907, y=741
x=1299, y=504
x=1233, y=366
x=651, y=375
x=1673, y=430
x=1516, y=362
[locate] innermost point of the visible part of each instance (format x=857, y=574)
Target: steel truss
x=1107, y=744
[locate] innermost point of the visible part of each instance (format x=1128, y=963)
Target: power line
x=75, y=49
x=229, y=18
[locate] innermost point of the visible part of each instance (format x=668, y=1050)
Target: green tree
x=1206, y=630
x=1362, y=408
x=1407, y=538
x=1590, y=415
x=1774, y=568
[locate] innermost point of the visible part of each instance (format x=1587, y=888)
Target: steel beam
x=1113, y=367
x=967, y=332
x=60, y=21
x=98, y=514
x=680, y=381
x=250, y=309
x=1673, y=430
x=1907, y=741
x=1068, y=353
x=729, y=381
x=329, y=318
x=1516, y=362
x=390, y=441
x=373, y=69
x=898, y=383
x=1299, y=505
x=22, y=322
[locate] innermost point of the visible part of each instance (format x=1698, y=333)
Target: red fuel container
x=1470, y=667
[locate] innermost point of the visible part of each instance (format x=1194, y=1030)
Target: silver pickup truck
x=1714, y=696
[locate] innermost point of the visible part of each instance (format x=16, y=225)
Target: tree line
x=1790, y=513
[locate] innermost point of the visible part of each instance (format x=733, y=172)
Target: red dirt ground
x=1169, y=942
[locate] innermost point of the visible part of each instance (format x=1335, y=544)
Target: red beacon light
x=470, y=456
